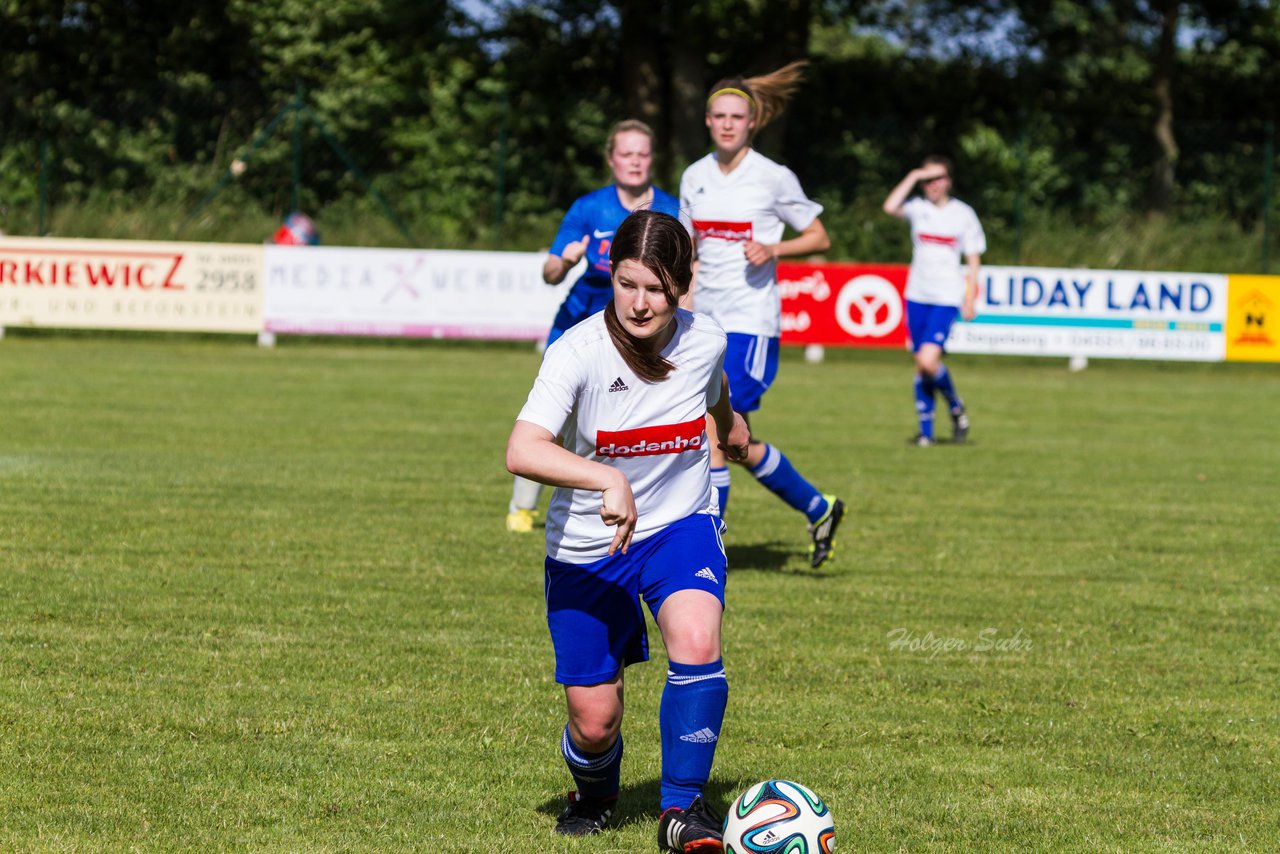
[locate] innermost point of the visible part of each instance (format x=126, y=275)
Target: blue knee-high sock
x=596, y=775
x=942, y=380
x=924, y=404
x=689, y=717
x=720, y=482
x=776, y=472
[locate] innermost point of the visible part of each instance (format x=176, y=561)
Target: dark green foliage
x=481, y=130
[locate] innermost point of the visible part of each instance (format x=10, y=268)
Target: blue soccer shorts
x=929, y=324
x=751, y=363
x=583, y=301
x=593, y=610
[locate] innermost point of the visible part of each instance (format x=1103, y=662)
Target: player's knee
x=695, y=645
x=595, y=733
x=928, y=363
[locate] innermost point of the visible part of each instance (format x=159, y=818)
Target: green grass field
x=263, y=600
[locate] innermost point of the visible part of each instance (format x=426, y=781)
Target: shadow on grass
x=638, y=803
x=771, y=557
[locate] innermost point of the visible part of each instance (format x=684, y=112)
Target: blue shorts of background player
x=751, y=364
x=584, y=300
x=593, y=610
x=930, y=324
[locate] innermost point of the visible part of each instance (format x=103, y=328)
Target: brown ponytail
x=662, y=245
x=767, y=94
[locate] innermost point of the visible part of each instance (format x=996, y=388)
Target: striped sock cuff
x=688, y=674
x=579, y=758
x=769, y=463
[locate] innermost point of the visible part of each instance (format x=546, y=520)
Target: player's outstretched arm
x=973, y=267
x=556, y=267
x=532, y=452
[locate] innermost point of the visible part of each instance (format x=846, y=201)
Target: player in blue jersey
x=587, y=231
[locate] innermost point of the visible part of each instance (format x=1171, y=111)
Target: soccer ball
x=779, y=817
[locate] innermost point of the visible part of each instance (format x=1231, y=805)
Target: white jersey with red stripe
x=655, y=433
x=940, y=238
x=753, y=202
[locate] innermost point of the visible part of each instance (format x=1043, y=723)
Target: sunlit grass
x=263, y=600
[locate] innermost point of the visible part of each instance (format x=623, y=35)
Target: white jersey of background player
x=754, y=202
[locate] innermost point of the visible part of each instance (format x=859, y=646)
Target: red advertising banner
x=843, y=305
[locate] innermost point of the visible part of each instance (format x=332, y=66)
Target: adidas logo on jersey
x=706, y=573
x=702, y=736
x=619, y=385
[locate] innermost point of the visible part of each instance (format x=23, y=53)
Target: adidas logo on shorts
x=706, y=573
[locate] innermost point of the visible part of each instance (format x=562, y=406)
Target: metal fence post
x=44, y=186
x=1022, y=187
x=1268, y=167
x=297, y=146
x=501, y=189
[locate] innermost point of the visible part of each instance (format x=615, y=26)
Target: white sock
x=524, y=495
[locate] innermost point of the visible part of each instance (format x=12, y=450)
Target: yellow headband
x=731, y=91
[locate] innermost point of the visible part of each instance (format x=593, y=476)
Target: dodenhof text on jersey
x=657, y=439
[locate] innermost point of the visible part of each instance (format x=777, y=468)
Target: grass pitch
x=263, y=600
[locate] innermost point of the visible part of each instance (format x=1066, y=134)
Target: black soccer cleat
x=695, y=830
x=959, y=425
x=585, y=816
x=824, y=532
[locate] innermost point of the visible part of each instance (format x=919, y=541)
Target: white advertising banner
x=130, y=284
x=408, y=293
x=1121, y=314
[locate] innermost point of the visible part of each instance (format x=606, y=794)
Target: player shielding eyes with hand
x=943, y=230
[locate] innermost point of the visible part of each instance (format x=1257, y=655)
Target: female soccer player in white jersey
x=736, y=202
x=586, y=231
x=943, y=230
x=635, y=516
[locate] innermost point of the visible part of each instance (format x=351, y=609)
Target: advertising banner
x=128, y=284
x=843, y=305
x=1120, y=314
x=1253, y=318
x=408, y=293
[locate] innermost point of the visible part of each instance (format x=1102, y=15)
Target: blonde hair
x=768, y=94
x=624, y=126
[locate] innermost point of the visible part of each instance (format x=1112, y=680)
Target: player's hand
x=933, y=170
x=757, y=253
x=968, y=310
x=738, y=444
x=573, y=253
x=618, y=508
